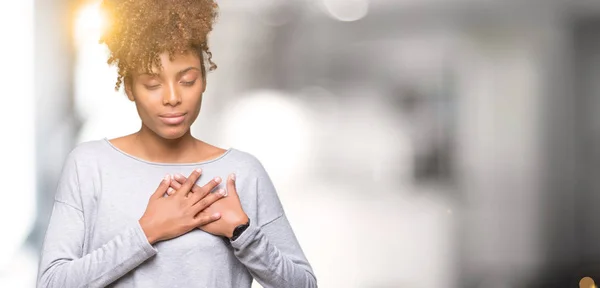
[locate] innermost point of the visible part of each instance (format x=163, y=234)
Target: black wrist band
x=239, y=230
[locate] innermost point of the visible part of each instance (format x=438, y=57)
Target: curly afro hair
x=140, y=30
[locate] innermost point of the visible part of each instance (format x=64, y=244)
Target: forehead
x=176, y=63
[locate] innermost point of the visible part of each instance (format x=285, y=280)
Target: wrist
x=149, y=232
x=238, y=228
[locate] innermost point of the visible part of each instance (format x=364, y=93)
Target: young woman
x=214, y=220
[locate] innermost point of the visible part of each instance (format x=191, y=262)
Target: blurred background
x=413, y=143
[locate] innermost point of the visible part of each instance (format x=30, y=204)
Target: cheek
x=143, y=109
x=147, y=102
x=194, y=103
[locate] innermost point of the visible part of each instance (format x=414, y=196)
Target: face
x=169, y=100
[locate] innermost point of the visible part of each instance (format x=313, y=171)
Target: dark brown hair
x=138, y=31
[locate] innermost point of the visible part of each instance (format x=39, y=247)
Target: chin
x=172, y=133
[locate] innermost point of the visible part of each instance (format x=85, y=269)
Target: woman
x=194, y=231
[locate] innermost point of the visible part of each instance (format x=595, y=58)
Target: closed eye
x=188, y=83
x=152, y=87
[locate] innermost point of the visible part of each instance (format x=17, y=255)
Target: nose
x=171, y=96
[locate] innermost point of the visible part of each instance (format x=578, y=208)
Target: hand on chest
x=119, y=207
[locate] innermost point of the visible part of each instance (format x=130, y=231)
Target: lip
x=172, y=118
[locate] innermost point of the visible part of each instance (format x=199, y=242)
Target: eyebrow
x=149, y=74
x=179, y=74
x=186, y=70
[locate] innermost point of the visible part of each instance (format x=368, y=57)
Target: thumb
x=231, y=185
x=162, y=188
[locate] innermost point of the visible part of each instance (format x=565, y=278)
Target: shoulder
x=249, y=167
x=253, y=174
x=246, y=163
x=86, y=152
x=91, y=146
x=76, y=165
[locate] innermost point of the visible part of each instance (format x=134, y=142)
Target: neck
x=158, y=149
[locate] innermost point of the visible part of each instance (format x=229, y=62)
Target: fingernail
x=170, y=190
x=177, y=176
x=199, y=170
x=167, y=177
x=232, y=177
x=223, y=192
x=218, y=179
x=216, y=215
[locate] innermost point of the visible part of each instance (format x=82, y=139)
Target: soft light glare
x=274, y=128
x=89, y=23
x=347, y=10
x=106, y=113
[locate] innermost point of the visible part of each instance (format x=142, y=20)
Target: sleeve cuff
x=252, y=232
x=147, y=249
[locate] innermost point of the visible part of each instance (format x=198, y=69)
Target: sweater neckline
x=111, y=145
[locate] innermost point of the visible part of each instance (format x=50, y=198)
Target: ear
x=128, y=88
x=203, y=69
x=203, y=83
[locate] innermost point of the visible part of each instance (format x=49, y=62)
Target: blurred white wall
x=17, y=156
x=499, y=147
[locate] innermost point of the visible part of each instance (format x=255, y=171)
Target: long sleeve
x=273, y=256
x=269, y=248
x=63, y=263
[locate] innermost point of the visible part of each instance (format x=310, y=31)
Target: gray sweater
x=94, y=238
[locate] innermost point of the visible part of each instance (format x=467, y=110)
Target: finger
x=162, y=188
x=211, y=198
x=181, y=179
x=189, y=183
x=176, y=184
x=202, y=219
x=212, y=184
x=199, y=193
x=170, y=191
x=231, y=185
